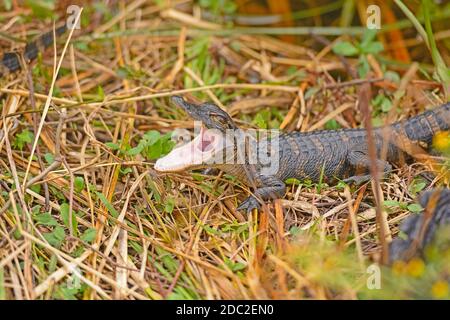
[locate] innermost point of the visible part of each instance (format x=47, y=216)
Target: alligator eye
x=218, y=119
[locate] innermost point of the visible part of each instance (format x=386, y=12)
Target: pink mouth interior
x=205, y=141
x=196, y=152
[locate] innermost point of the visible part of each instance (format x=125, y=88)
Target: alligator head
x=210, y=145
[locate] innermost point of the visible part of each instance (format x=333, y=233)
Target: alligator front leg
x=269, y=187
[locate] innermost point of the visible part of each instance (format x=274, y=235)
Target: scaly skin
x=11, y=61
x=421, y=229
x=334, y=154
x=343, y=154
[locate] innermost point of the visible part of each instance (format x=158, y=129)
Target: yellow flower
x=439, y=290
x=441, y=141
x=415, y=267
x=398, y=267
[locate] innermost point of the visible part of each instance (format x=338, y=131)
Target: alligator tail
x=11, y=61
x=420, y=230
x=425, y=126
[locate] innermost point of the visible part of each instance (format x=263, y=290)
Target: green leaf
x=332, y=125
x=167, y=143
x=391, y=203
x=260, y=121
x=100, y=93
x=153, y=145
x=49, y=158
x=151, y=137
x=36, y=188
x=23, y=138
x=402, y=235
x=125, y=171
x=65, y=208
x=79, y=184
x=311, y=92
x=363, y=66
x=82, y=46
x=211, y=230
x=65, y=293
x=36, y=210
x=368, y=37
x=65, y=215
x=229, y=7
x=341, y=185
x=56, y=237
x=17, y=234
x=89, y=235
x=112, y=145
x=136, y=246
x=155, y=150
x=417, y=186
x=154, y=190
x=8, y=6
x=42, y=8
x=377, y=122
x=26, y=136
x=293, y=181
x=170, y=204
x=107, y=204
x=345, y=48
x=53, y=263
x=45, y=219
x=295, y=231
x=235, y=266
x=374, y=47
x=205, y=3
x=386, y=105
x=239, y=266
x=169, y=262
x=415, y=207
x=136, y=150
x=392, y=76
x=123, y=72
x=197, y=176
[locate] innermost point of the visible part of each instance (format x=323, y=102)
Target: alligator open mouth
x=198, y=152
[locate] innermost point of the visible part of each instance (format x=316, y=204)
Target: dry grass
x=143, y=235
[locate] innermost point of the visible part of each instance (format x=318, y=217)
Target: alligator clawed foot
x=248, y=205
x=358, y=179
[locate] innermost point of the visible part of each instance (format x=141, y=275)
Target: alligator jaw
x=194, y=154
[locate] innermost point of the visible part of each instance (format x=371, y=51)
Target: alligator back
x=339, y=153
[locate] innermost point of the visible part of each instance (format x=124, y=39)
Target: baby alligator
x=328, y=155
x=12, y=61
